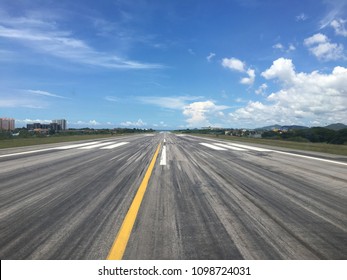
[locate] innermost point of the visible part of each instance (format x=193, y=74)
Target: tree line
x=314, y=135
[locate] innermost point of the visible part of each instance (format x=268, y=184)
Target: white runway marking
x=230, y=147
x=246, y=147
x=28, y=152
x=96, y=145
x=75, y=146
x=213, y=147
x=114, y=145
x=163, y=156
x=250, y=147
x=309, y=157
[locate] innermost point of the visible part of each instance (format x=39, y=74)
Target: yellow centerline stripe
x=122, y=238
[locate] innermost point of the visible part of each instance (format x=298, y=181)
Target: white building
x=61, y=122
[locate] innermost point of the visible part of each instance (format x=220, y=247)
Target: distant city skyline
x=174, y=64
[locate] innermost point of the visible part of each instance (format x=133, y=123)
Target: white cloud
x=301, y=17
x=237, y=65
x=339, y=26
x=210, y=57
x=233, y=64
x=28, y=121
x=249, y=80
x=282, y=69
x=88, y=123
x=94, y=122
x=199, y=113
x=261, y=89
x=319, y=45
x=8, y=102
x=161, y=124
x=43, y=93
x=169, y=102
x=138, y=123
x=336, y=9
x=291, y=48
x=44, y=36
x=281, y=47
x=13, y=98
x=305, y=98
x=112, y=98
x=318, y=38
x=278, y=46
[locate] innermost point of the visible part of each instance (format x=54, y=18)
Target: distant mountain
x=282, y=127
x=336, y=126
x=293, y=127
x=270, y=127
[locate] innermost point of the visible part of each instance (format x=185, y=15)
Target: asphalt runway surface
x=205, y=199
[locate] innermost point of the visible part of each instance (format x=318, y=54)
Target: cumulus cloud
x=233, y=64
x=282, y=69
x=199, y=113
x=281, y=47
x=239, y=66
x=278, y=46
x=138, y=123
x=28, y=121
x=339, y=26
x=305, y=98
x=250, y=79
x=319, y=45
x=161, y=124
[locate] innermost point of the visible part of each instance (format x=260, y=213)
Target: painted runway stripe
x=49, y=149
x=27, y=152
x=122, y=238
x=230, y=147
x=75, y=146
x=114, y=146
x=96, y=145
x=163, y=156
x=250, y=147
x=309, y=157
x=213, y=147
x=247, y=147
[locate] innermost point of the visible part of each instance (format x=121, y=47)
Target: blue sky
x=174, y=64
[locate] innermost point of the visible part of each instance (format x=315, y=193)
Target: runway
x=205, y=199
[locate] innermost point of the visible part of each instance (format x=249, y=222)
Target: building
x=55, y=126
x=43, y=128
x=62, y=123
x=7, y=124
